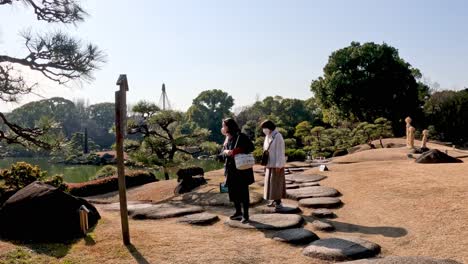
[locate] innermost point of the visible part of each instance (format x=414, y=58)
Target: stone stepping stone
x=269, y=222
x=165, y=210
x=286, y=209
x=322, y=226
x=403, y=260
x=295, y=236
x=339, y=249
x=261, y=183
x=292, y=186
x=289, y=182
x=320, y=202
x=323, y=213
x=130, y=206
x=311, y=192
x=217, y=199
x=303, y=178
x=295, y=169
x=308, y=184
x=199, y=219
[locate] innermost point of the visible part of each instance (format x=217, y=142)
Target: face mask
x=223, y=131
x=266, y=131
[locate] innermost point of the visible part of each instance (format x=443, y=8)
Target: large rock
x=165, y=210
x=436, y=156
x=269, y=222
x=295, y=236
x=302, y=178
x=404, y=260
x=286, y=209
x=339, y=249
x=320, y=202
x=199, y=219
x=217, y=199
x=310, y=192
x=42, y=213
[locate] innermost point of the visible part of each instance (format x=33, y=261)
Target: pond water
x=71, y=173
x=82, y=173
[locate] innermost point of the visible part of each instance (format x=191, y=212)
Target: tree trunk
x=166, y=174
x=381, y=144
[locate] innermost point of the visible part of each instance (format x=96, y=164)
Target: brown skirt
x=275, y=185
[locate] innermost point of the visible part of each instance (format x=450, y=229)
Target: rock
x=323, y=213
x=261, y=183
x=217, y=199
x=131, y=205
x=292, y=186
x=394, y=145
x=42, y=213
x=339, y=249
x=313, y=191
x=419, y=150
x=322, y=226
x=199, y=219
x=289, y=182
x=340, y=152
x=295, y=169
x=165, y=210
x=404, y=260
x=308, y=184
x=320, y=202
x=269, y=222
x=189, y=179
x=436, y=156
x=295, y=236
x=287, y=209
x=302, y=178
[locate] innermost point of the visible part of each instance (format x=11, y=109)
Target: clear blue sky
x=247, y=48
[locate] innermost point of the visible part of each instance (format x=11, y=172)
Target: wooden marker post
x=120, y=126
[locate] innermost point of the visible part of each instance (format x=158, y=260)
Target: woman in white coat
x=275, y=185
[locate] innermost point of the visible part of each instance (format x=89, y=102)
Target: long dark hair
x=232, y=126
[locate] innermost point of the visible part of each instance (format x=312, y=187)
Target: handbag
x=266, y=154
x=243, y=161
x=223, y=188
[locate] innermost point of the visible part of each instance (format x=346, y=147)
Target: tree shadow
x=140, y=259
x=386, y=231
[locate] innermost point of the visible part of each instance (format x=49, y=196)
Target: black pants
x=244, y=206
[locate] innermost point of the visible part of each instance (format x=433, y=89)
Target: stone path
x=295, y=236
x=339, y=249
x=268, y=222
x=313, y=191
x=286, y=223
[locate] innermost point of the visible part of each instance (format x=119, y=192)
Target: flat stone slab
x=296, y=169
x=199, y=219
x=320, y=202
x=308, y=184
x=166, y=210
x=322, y=226
x=217, y=199
x=289, y=181
x=286, y=209
x=130, y=206
x=404, y=260
x=312, y=191
x=295, y=236
x=323, y=213
x=292, y=186
x=302, y=178
x=269, y=222
x=339, y=249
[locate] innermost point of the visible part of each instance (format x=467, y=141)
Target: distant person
x=237, y=181
x=275, y=184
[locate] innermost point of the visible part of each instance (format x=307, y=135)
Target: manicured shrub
x=21, y=174
x=106, y=171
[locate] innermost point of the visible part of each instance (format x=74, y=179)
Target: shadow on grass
x=139, y=258
x=386, y=231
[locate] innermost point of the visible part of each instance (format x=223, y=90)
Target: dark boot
x=238, y=214
x=245, y=215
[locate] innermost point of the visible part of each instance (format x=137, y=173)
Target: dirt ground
x=409, y=209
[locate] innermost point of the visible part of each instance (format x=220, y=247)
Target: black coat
x=238, y=180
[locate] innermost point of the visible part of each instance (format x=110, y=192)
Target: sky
x=249, y=49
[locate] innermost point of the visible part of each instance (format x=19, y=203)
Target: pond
x=82, y=173
x=71, y=173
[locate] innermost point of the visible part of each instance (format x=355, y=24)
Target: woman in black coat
x=238, y=181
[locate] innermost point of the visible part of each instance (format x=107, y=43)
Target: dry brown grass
x=407, y=208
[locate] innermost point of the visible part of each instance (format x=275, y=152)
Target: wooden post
x=120, y=126
x=83, y=211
